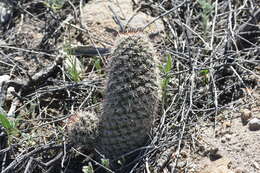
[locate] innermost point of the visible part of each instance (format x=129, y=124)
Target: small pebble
x=228, y=137
x=227, y=124
x=223, y=140
x=254, y=124
x=245, y=116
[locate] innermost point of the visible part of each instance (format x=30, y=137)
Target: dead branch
x=37, y=79
x=20, y=159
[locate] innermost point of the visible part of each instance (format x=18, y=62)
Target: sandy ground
x=232, y=146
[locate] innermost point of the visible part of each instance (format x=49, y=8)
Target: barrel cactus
x=131, y=96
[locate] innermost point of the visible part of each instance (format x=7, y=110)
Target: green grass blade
x=5, y=122
x=168, y=66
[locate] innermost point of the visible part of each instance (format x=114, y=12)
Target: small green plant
x=9, y=125
x=205, y=75
x=166, y=69
x=74, y=69
x=88, y=169
x=207, y=9
x=72, y=64
x=97, y=65
x=105, y=162
x=54, y=4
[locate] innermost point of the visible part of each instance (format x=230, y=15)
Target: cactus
x=131, y=96
x=130, y=104
x=83, y=128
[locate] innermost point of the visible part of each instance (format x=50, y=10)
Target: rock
x=213, y=154
x=98, y=18
x=254, y=124
x=245, y=116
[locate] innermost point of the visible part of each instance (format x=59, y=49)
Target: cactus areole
x=131, y=96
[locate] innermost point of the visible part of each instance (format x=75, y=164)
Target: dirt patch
x=233, y=140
